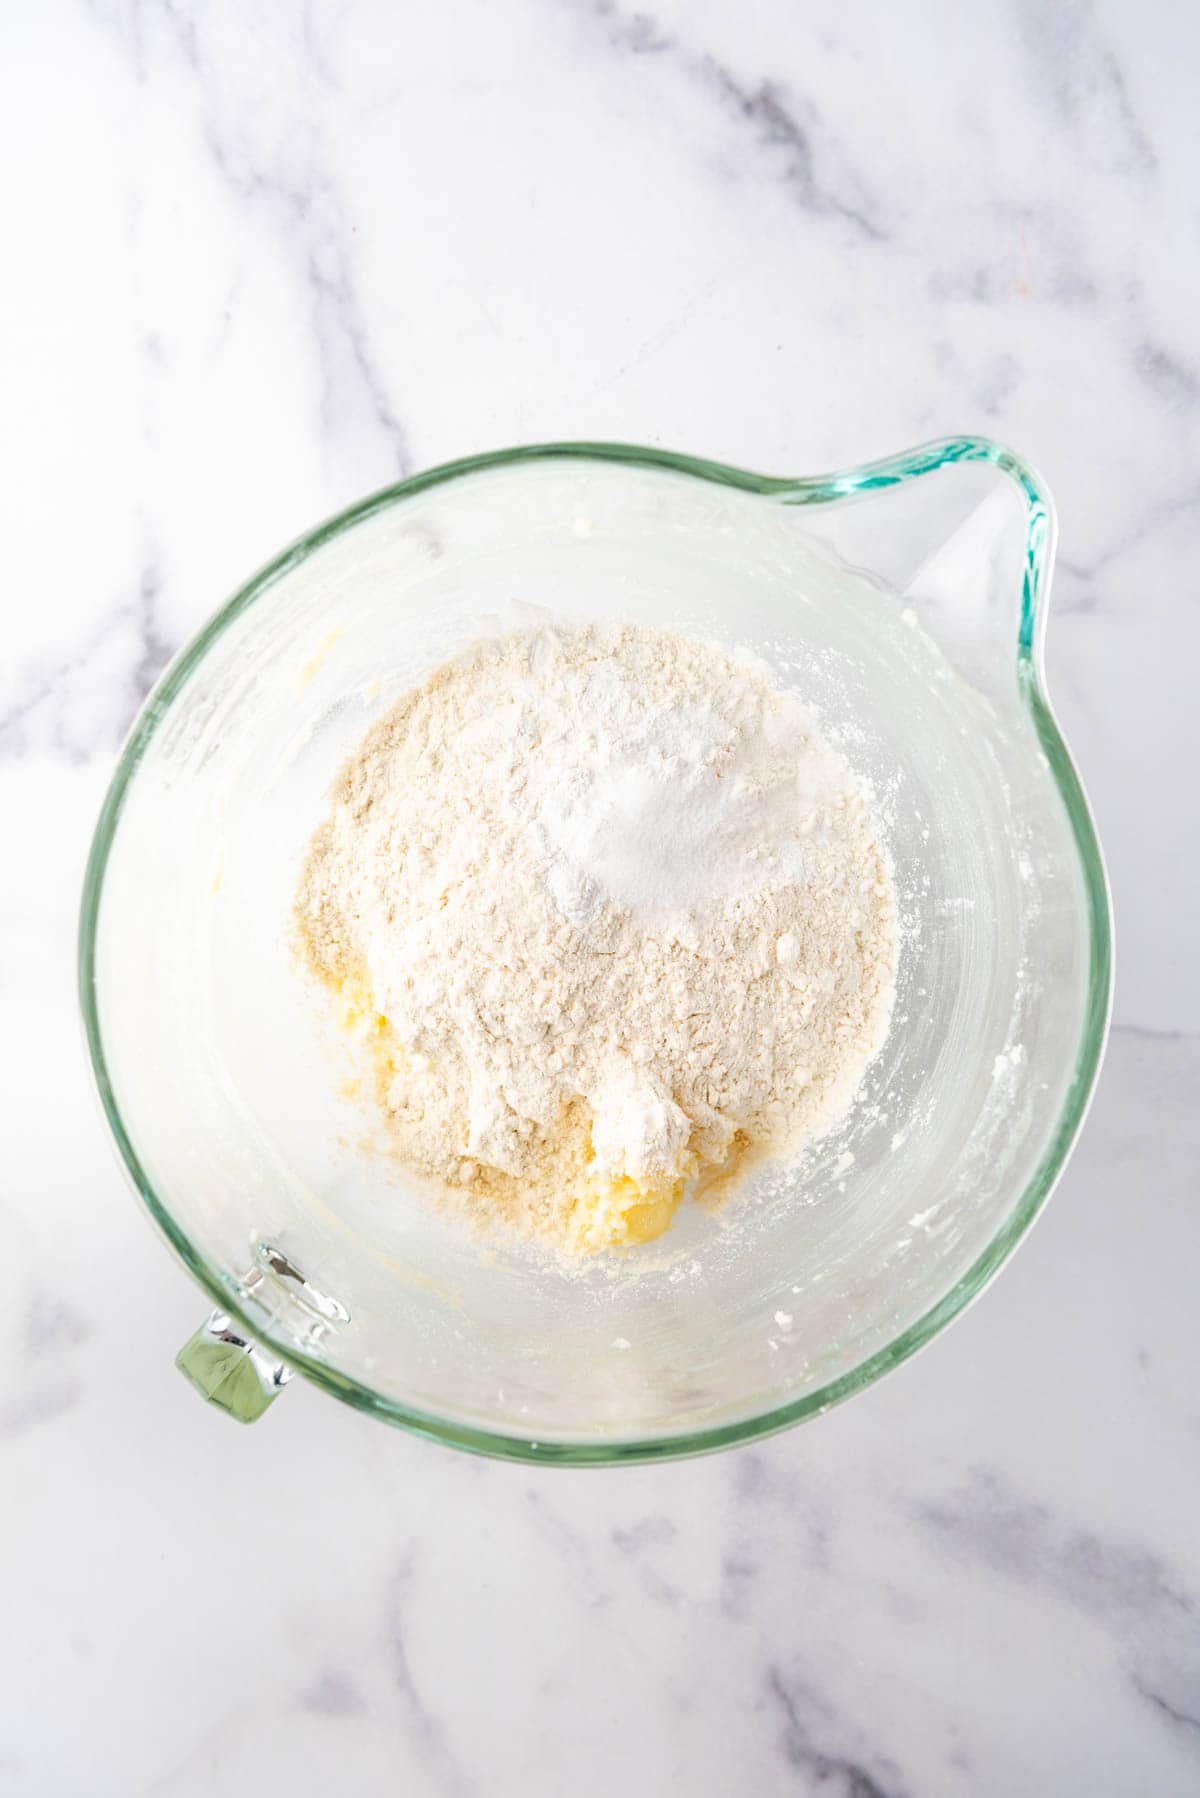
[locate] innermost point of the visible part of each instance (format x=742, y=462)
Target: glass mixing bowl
x=904, y=602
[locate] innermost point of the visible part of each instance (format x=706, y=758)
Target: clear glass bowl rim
x=805, y=491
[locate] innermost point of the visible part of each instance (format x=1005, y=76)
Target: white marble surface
x=260, y=259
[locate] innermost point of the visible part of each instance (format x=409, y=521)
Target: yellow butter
x=620, y=1212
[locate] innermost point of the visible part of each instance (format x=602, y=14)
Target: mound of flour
x=619, y=909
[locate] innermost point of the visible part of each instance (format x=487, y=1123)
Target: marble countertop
x=260, y=260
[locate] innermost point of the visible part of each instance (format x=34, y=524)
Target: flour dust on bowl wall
x=594, y=954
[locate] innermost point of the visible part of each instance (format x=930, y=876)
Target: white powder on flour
x=617, y=914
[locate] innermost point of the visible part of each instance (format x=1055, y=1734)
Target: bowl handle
x=230, y=1370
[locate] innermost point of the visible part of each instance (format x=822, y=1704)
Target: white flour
x=620, y=912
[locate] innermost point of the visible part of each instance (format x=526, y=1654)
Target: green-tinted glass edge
x=816, y=490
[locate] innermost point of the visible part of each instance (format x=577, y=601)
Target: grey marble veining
x=263, y=260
